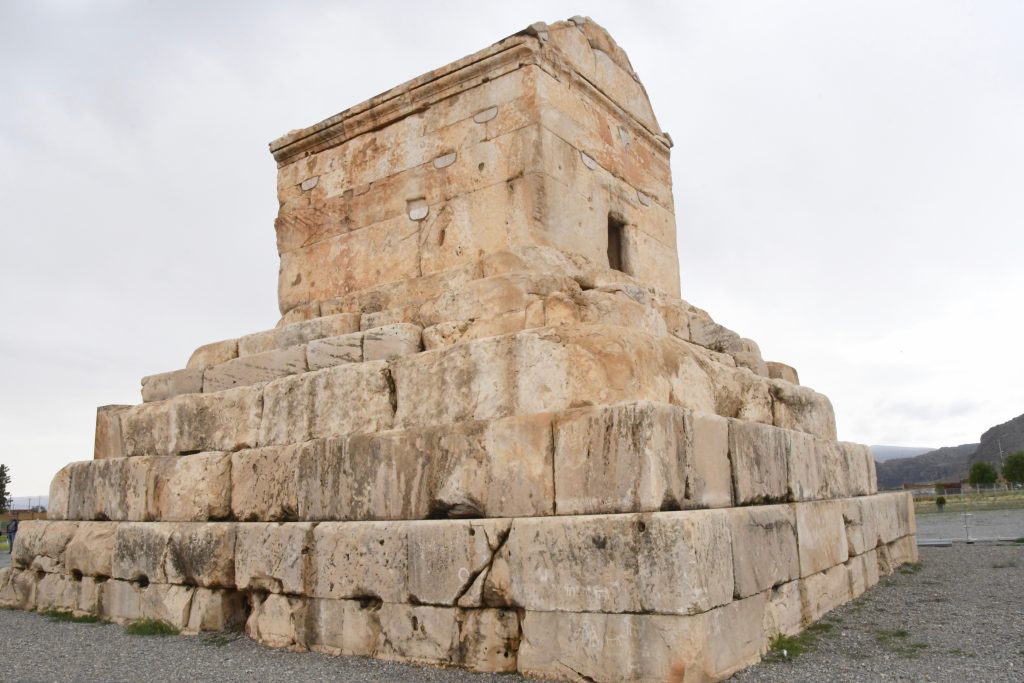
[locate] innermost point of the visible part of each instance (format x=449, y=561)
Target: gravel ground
x=36, y=649
x=960, y=617
x=984, y=524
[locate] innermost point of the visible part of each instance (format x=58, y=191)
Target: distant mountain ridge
x=884, y=453
x=952, y=463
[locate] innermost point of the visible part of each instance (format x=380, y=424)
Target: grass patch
x=220, y=638
x=150, y=627
x=788, y=648
x=896, y=640
x=64, y=615
x=957, y=652
x=1009, y=564
x=910, y=568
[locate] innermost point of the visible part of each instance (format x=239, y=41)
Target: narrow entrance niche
x=616, y=240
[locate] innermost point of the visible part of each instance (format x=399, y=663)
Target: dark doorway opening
x=616, y=227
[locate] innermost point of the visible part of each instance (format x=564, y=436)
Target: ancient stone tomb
x=486, y=431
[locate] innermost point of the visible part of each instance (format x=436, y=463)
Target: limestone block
x=622, y=458
x=784, y=610
x=872, y=475
x=804, y=466
x=140, y=551
x=758, y=454
x=858, y=536
x=491, y=297
x=60, y=493
x=764, y=547
x=611, y=305
x=110, y=489
x=297, y=334
x=709, y=474
x=609, y=647
x=300, y=314
x=668, y=562
x=273, y=557
x=470, y=469
x=479, y=639
x=213, y=354
x=273, y=620
x=225, y=421
x=904, y=550
x=385, y=252
x=803, y=410
x=834, y=469
x=859, y=575
x=821, y=535
x=880, y=520
x=264, y=483
x=196, y=488
x=216, y=610
x=90, y=594
x=547, y=370
x=331, y=402
x=738, y=392
x=40, y=545
x=390, y=316
x=734, y=636
x=857, y=457
x=448, y=557
x=367, y=561
x=904, y=503
x=200, y=554
x=56, y=592
x=18, y=588
x=90, y=551
x=174, y=383
x=331, y=351
x=391, y=341
x=124, y=601
x=253, y=369
x=822, y=592
x=108, y=443
x=403, y=293
x=782, y=371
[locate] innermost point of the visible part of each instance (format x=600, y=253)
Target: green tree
x=1013, y=468
x=5, y=495
x=982, y=474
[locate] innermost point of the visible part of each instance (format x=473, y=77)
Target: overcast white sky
x=849, y=185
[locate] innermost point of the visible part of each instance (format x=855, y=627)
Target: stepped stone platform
x=486, y=431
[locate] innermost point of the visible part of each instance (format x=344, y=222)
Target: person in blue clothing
x=12, y=529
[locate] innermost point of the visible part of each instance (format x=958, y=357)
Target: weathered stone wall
x=470, y=441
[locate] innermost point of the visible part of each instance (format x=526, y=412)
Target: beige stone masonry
x=108, y=443
x=331, y=402
x=168, y=384
x=225, y=421
x=297, y=334
x=256, y=368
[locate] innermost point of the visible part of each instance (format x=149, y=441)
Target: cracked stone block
x=368, y=560
x=822, y=592
x=297, y=334
x=709, y=473
x=201, y=554
x=195, y=488
x=40, y=545
x=60, y=493
x=448, y=557
x=140, y=551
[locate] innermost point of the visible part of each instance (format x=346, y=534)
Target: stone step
x=630, y=457
x=499, y=295
x=683, y=562
x=316, y=346
x=535, y=596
